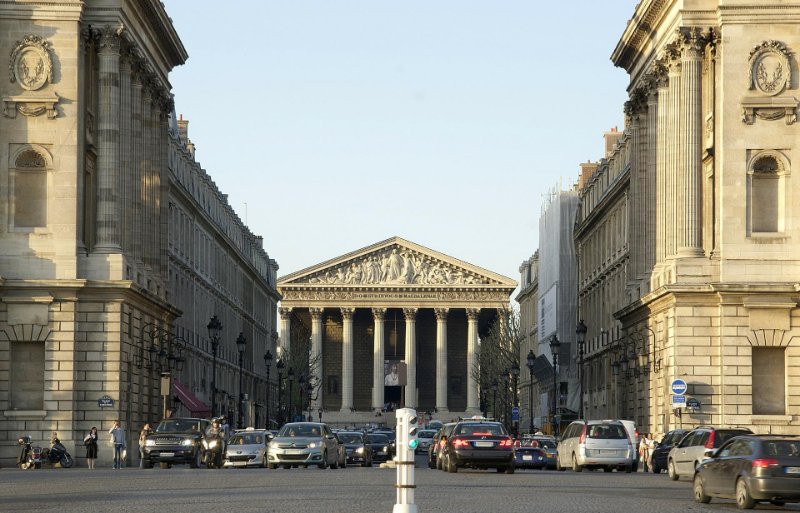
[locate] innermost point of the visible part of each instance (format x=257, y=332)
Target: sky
x=336, y=124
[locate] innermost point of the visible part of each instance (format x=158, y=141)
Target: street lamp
x=291, y=394
x=506, y=408
x=555, y=344
x=515, y=381
x=280, y=366
x=268, y=363
x=494, y=398
x=531, y=358
x=241, y=343
x=580, y=336
x=214, y=329
x=484, y=400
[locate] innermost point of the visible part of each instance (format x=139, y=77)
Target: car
x=341, y=451
x=751, y=469
x=425, y=437
x=538, y=452
x=439, y=439
x=478, y=444
x=685, y=457
x=300, y=444
x=659, y=457
x=357, y=449
x=247, y=448
x=434, y=425
x=595, y=444
x=392, y=436
x=175, y=441
x=381, y=446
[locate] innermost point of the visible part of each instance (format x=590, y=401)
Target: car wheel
x=628, y=469
x=287, y=467
x=656, y=469
x=451, y=465
x=164, y=465
x=700, y=491
x=67, y=461
x=743, y=498
x=335, y=464
x=146, y=463
x=324, y=463
x=510, y=469
x=778, y=503
x=607, y=469
x=37, y=465
x=272, y=466
x=575, y=466
x=671, y=469
x=558, y=465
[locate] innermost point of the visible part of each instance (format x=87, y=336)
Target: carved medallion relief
x=31, y=68
x=770, y=75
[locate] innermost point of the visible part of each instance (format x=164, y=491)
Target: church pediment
x=395, y=262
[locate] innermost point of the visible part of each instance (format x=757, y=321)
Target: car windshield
x=545, y=444
x=351, y=438
x=607, y=432
x=479, y=430
x=177, y=426
x=720, y=436
x=426, y=434
x=782, y=448
x=379, y=439
x=246, y=439
x=295, y=430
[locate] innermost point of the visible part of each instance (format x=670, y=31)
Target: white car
x=247, y=448
x=425, y=437
x=595, y=444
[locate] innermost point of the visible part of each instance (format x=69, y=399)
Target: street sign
x=105, y=402
x=679, y=387
x=515, y=414
x=693, y=404
x=678, y=401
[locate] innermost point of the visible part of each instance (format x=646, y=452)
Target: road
x=354, y=489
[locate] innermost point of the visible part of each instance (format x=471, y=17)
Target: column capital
x=379, y=313
x=316, y=313
x=347, y=313
x=410, y=313
x=284, y=312
x=109, y=39
x=441, y=313
x=473, y=314
x=691, y=43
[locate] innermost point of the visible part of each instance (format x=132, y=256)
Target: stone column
x=136, y=162
x=473, y=395
x=411, y=357
x=661, y=166
x=347, y=359
x=441, y=359
x=108, y=122
x=652, y=156
x=316, y=355
x=673, y=156
x=125, y=198
x=377, y=359
x=286, y=328
x=146, y=173
x=690, y=242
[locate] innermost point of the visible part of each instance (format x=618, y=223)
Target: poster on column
x=394, y=373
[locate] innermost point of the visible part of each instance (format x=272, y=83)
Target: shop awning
x=195, y=406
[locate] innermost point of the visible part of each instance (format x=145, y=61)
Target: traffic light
x=407, y=442
x=413, y=441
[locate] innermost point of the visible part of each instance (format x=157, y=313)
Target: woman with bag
x=91, y=447
x=142, y=439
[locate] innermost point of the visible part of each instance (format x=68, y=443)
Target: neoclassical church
x=392, y=306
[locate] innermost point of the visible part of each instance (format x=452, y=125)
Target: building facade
x=528, y=299
x=394, y=304
x=101, y=290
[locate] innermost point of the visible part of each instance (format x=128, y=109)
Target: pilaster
x=410, y=315
x=316, y=354
x=441, y=359
x=347, y=359
x=378, y=314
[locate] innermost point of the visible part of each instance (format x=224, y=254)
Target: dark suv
x=176, y=441
x=666, y=444
x=478, y=444
x=685, y=457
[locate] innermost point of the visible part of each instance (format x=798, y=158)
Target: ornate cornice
x=640, y=30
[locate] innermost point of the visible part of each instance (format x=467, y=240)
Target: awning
x=195, y=406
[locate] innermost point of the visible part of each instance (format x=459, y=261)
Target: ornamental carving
x=30, y=65
x=770, y=70
x=368, y=296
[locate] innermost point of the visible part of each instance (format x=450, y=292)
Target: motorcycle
x=214, y=447
x=29, y=457
x=57, y=453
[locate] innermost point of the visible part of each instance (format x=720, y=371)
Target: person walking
x=91, y=447
x=146, y=430
x=644, y=450
x=118, y=441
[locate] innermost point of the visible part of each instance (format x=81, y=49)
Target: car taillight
x=765, y=462
x=710, y=442
x=505, y=443
x=458, y=442
x=583, y=435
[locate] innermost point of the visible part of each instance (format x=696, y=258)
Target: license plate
x=792, y=470
x=527, y=458
x=484, y=444
x=608, y=451
x=294, y=451
x=167, y=454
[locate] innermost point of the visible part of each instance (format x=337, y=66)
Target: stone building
x=392, y=304
x=528, y=299
x=117, y=247
x=703, y=251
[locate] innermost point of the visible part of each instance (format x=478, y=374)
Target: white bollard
x=406, y=445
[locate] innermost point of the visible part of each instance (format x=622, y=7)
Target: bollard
x=406, y=445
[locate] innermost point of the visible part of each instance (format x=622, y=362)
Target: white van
x=593, y=444
x=633, y=434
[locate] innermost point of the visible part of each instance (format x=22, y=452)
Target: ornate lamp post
x=280, y=366
x=268, y=363
x=555, y=344
x=291, y=394
x=214, y=329
x=241, y=344
x=580, y=336
x=531, y=358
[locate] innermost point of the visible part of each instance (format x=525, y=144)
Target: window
x=766, y=197
x=27, y=375
x=769, y=381
x=30, y=190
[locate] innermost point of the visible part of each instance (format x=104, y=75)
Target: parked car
x=341, y=451
x=381, y=446
x=528, y=454
x=439, y=439
x=660, y=454
x=685, y=457
x=478, y=444
x=595, y=444
x=425, y=437
x=357, y=449
x=247, y=448
x=175, y=441
x=751, y=469
x=304, y=444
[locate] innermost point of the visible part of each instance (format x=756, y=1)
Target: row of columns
x=379, y=315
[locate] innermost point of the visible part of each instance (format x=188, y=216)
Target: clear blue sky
x=340, y=123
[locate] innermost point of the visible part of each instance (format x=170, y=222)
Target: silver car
x=247, y=449
x=425, y=437
x=300, y=444
x=595, y=444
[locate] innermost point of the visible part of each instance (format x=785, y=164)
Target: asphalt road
x=354, y=489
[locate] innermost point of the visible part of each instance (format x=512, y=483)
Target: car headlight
x=212, y=444
x=385, y=448
x=187, y=442
x=150, y=443
x=312, y=445
x=273, y=445
x=205, y=444
x=360, y=450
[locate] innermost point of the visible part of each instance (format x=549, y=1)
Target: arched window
x=29, y=195
x=766, y=196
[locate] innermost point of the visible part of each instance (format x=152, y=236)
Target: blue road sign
x=515, y=414
x=679, y=387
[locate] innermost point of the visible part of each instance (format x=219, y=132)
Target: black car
x=175, y=441
x=664, y=446
x=381, y=446
x=751, y=469
x=434, y=449
x=478, y=444
x=357, y=449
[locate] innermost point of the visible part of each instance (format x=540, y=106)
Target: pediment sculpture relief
x=395, y=266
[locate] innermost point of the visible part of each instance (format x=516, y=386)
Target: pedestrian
x=90, y=441
x=146, y=430
x=651, y=448
x=118, y=441
x=644, y=445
